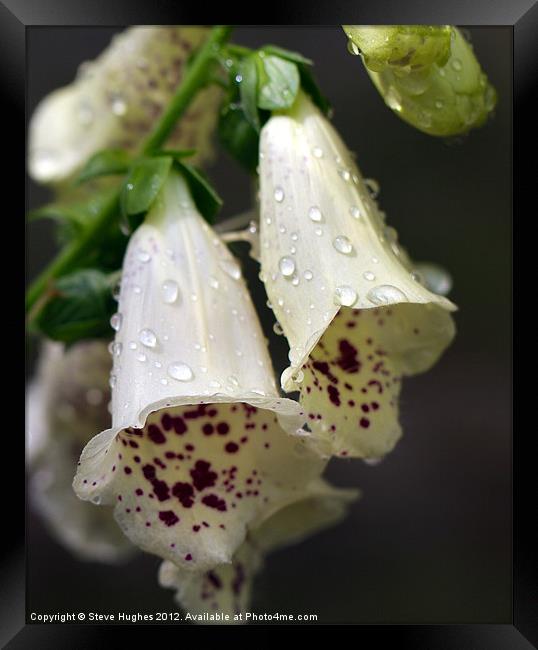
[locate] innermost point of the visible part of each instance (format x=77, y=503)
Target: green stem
x=194, y=80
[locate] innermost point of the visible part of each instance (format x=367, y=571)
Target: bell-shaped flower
x=115, y=100
x=198, y=450
x=67, y=403
x=356, y=315
x=226, y=589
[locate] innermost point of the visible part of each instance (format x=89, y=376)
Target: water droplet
x=315, y=213
x=143, y=256
x=308, y=275
x=317, y=152
x=112, y=381
x=456, y=65
x=213, y=282
x=277, y=329
x=117, y=348
x=345, y=295
x=282, y=229
x=238, y=78
x=439, y=104
x=294, y=236
x=368, y=275
x=132, y=345
x=286, y=266
x=180, y=371
x=231, y=268
x=355, y=212
x=436, y=278
x=343, y=245
x=170, y=291
x=352, y=48
x=373, y=187
x=319, y=231
x=116, y=291
x=375, y=260
x=417, y=277
x=116, y=321
x=344, y=174
x=141, y=357
x=385, y=294
x=96, y=500
x=279, y=194
x=295, y=280
x=147, y=337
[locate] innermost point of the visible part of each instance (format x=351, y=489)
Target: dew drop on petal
x=279, y=194
x=112, y=381
x=317, y=152
x=385, y=294
x=355, y=212
x=319, y=231
x=343, y=245
x=213, y=282
x=147, y=337
x=315, y=214
x=116, y=321
x=143, y=256
x=286, y=266
x=180, y=371
x=277, y=329
x=141, y=357
x=368, y=275
x=170, y=291
x=352, y=48
x=308, y=275
x=345, y=295
x=231, y=268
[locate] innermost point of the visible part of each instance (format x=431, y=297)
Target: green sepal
x=143, y=183
x=105, y=163
x=205, y=197
x=79, y=307
x=295, y=57
x=238, y=136
x=311, y=88
x=248, y=89
x=278, y=82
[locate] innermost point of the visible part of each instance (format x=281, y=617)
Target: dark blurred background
x=430, y=541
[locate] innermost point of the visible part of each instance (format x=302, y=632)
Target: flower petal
x=324, y=249
x=226, y=589
x=116, y=99
x=67, y=404
x=197, y=419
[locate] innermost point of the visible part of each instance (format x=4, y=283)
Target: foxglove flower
x=116, y=99
x=355, y=313
x=198, y=450
x=226, y=589
x=67, y=404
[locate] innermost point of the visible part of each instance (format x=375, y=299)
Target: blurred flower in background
x=67, y=402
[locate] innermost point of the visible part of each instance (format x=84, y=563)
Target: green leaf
x=238, y=136
x=310, y=86
x=296, y=57
x=207, y=200
x=105, y=163
x=278, y=83
x=143, y=184
x=249, y=89
x=80, y=307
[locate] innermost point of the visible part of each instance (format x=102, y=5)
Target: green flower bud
x=428, y=75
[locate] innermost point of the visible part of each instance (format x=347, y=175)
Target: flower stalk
x=195, y=78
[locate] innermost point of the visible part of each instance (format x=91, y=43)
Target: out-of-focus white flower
x=116, y=99
x=198, y=450
x=226, y=589
x=67, y=403
x=356, y=315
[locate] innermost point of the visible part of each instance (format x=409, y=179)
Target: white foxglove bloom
x=197, y=452
x=116, y=99
x=67, y=403
x=226, y=589
x=356, y=315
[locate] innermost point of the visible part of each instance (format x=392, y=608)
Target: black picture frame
x=16, y=16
